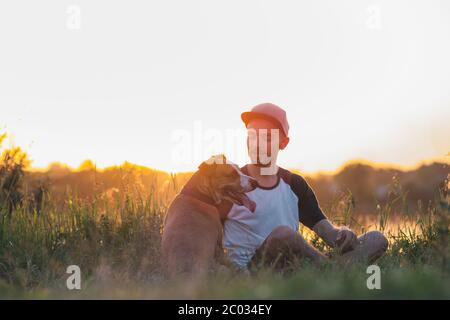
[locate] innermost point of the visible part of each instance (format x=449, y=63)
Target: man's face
x=264, y=140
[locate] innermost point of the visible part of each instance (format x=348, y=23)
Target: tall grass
x=116, y=240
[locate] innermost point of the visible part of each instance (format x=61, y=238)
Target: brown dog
x=192, y=236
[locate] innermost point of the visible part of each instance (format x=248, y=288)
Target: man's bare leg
x=372, y=245
x=282, y=245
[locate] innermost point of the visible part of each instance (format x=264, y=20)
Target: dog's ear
x=207, y=166
x=204, y=184
x=204, y=166
x=220, y=159
x=217, y=159
x=212, y=162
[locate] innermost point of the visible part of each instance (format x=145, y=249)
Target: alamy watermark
x=374, y=19
x=193, y=146
x=374, y=280
x=74, y=280
x=73, y=17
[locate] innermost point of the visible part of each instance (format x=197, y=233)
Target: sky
x=163, y=83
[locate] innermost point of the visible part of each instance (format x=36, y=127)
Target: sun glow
x=350, y=91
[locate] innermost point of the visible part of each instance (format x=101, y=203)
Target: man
x=283, y=200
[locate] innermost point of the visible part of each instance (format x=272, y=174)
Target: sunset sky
x=358, y=79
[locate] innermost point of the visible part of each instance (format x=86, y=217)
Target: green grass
x=116, y=244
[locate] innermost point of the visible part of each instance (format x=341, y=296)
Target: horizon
x=88, y=164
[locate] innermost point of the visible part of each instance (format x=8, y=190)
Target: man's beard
x=262, y=165
x=259, y=164
x=262, y=159
x=269, y=168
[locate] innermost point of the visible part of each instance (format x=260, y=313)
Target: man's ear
x=284, y=142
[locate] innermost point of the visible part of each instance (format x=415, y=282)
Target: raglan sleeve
x=308, y=207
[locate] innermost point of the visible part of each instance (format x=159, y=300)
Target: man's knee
x=282, y=236
x=278, y=247
x=376, y=240
x=282, y=233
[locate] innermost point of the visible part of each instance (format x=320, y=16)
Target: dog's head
x=223, y=180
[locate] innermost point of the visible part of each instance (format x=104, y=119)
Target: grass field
x=116, y=245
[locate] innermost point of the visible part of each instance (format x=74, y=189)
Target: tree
x=13, y=163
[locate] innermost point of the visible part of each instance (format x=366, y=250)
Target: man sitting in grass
x=283, y=199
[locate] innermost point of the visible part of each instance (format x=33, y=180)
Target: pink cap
x=268, y=111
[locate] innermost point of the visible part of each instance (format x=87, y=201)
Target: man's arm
x=326, y=231
x=309, y=210
x=312, y=216
x=340, y=237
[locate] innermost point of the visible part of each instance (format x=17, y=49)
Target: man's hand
x=341, y=238
x=346, y=240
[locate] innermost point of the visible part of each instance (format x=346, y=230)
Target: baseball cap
x=268, y=111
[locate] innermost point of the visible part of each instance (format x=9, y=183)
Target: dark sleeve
x=308, y=208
